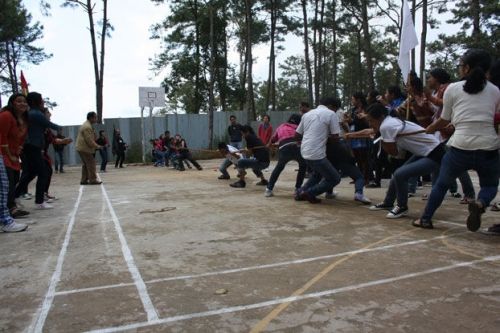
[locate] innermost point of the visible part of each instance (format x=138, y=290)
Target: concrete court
x=157, y=250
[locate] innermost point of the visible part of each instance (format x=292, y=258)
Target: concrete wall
x=193, y=127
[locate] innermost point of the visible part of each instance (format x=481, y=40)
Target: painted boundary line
x=258, y=267
x=39, y=322
x=129, y=259
x=295, y=298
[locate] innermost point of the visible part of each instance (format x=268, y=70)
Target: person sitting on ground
x=288, y=150
x=257, y=163
x=231, y=154
x=399, y=135
x=160, y=151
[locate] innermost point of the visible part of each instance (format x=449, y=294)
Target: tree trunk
x=12, y=71
x=100, y=94
x=321, y=67
x=212, y=81
x=476, y=29
x=197, y=85
x=271, y=58
x=223, y=80
x=250, y=94
x=367, y=45
x=334, y=48
x=423, y=38
x=306, y=53
x=315, y=51
x=98, y=90
x=413, y=10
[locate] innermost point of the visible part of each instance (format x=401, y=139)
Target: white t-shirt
x=316, y=126
x=230, y=155
x=473, y=116
x=418, y=144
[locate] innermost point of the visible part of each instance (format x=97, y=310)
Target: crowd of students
x=172, y=150
x=438, y=132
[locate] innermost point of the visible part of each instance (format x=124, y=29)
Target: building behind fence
x=192, y=127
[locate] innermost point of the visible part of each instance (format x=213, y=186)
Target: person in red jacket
x=265, y=131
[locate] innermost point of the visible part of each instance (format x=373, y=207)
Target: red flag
x=24, y=85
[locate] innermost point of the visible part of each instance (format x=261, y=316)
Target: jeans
x=352, y=171
x=159, y=157
x=59, y=160
x=224, y=165
x=286, y=154
x=414, y=167
x=454, y=163
x=104, y=157
x=13, y=176
x=184, y=157
x=324, y=177
x=252, y=163
x=120, y=158
x=33, y=166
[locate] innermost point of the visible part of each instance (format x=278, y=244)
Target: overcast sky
x=67, y=78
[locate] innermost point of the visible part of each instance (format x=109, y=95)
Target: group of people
x=438, y=132
x=172, y=150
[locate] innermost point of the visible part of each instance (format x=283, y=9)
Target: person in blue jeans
x=59, y=153
x=470, y=106
x=315, y=129
x=400, y=135
x=102, y=141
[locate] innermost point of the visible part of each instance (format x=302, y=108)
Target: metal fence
x=192, y=127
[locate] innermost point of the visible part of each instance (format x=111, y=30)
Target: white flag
x=407, y=42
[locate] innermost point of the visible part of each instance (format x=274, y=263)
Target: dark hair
x=222, y=145
x=295, y=119
x=395, y=90
x=360, y=97
x=416, y=83
x=440, y=75
x=167, y=132
x=372, y=95
x=10, y=107
x=305, y=104
x=34, y=100
x=330, y=101
x=377, y=111
x=495, y=73
x=247, y=129
x=266, y=115
x=232, y=116
x=101, y=131
x=479, y=62
x=91, y=114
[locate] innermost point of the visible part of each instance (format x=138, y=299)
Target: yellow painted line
x=261, y=325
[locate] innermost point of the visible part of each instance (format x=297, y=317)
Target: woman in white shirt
x=470, y=106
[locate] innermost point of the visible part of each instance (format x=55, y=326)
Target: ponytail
x=479, y=62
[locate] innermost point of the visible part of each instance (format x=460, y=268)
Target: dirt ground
x=158, y=250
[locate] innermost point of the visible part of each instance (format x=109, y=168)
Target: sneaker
x=43, y=206
x=332, y=195
x=373, y=185
x=411, y=194
x=361, y=198
x=14, y=227
x=268, y=193
x=199, y=168
x=18, y=213
x=455, y=195
x=263, y=182
x=474, y=218
x=466, y=200
x=97, y=182
x=26, y=196
x=238, y=184
x=494, y=230
x=397, y=212
x=48, y=200
x=224, y=177
x=381, y=206
x=309, y=197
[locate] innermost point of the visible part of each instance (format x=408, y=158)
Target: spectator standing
x=102, y=141
x=234, y=131
x=119, y=147
x=265, y=130
x=86, y=146
x=59, y=153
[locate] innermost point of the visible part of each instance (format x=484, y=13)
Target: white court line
x=129, y=259
x=39, y=322
x=258, y=267
x=277, y=301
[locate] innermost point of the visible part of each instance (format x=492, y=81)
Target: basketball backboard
x=151, y=97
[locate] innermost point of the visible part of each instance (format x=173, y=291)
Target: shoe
x=14, y=227
x=455, y=195
x=43, y=206
x=494, y=230
x=466, y=201
x=397, y=212
x=332, y=195
x=381, y=206
x=48, y=200
x=97, y=182
x=199, y=168
x=425, y=197
x=238, y=184
x=263, y=182
x=411, y=194
x=48, y=196
x=474, y=218
x=61, y=171
x=17, y=213
x=305, y=195
x=373, y=185
x=361, y=198
x=495, y=207
x=224, y=177
x=424, y=224
x=84, y=183
x=268, y=193
x=26, y=196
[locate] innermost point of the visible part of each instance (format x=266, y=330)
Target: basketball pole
x=142, y=136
